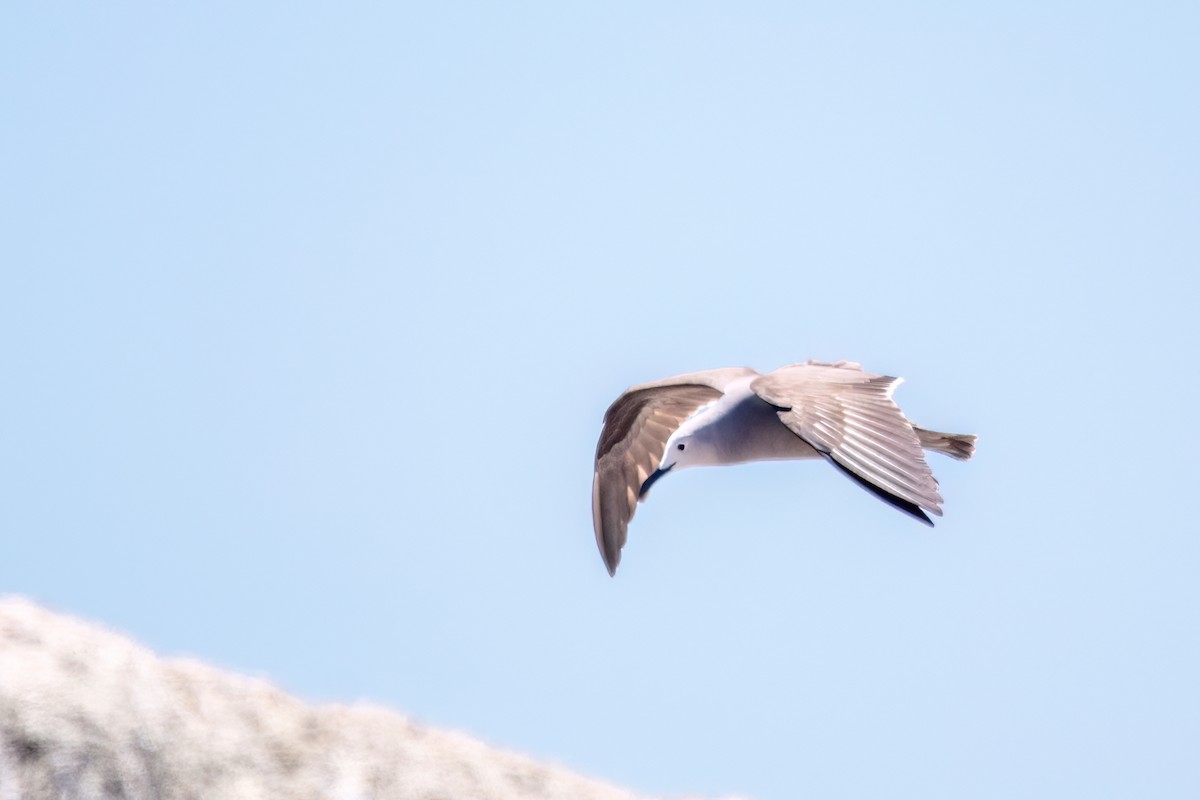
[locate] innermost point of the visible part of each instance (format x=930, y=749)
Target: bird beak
x=658, y=473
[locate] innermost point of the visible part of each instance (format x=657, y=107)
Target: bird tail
x=956, y=445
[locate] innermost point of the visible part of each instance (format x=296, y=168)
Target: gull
x=832, y=411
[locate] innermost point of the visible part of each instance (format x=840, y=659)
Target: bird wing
x=849, y=416
x=636, y=428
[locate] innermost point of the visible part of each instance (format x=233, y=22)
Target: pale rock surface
x=88, y=714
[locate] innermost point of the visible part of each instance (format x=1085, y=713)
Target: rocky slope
x=85, y=713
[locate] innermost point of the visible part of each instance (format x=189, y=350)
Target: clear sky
x=309, y=315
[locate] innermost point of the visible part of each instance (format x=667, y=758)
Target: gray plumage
x=836, y=411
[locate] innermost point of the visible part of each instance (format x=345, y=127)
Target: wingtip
x=900, y=504
x=612, y=557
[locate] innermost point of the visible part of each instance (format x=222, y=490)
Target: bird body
x=835, y=411
x=736, y=428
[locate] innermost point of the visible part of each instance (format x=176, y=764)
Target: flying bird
x=834, y=411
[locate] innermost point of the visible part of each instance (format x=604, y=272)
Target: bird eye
x=680, y=446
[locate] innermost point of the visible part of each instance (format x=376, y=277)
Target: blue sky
x=309, y=315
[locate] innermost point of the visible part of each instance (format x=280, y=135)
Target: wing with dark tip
x=636, y=429
x=849, y=416
x=912, y=509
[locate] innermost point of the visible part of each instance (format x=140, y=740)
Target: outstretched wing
x=636, y=428
x=849, y=416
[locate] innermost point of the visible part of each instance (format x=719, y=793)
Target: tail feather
x=956, y=445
